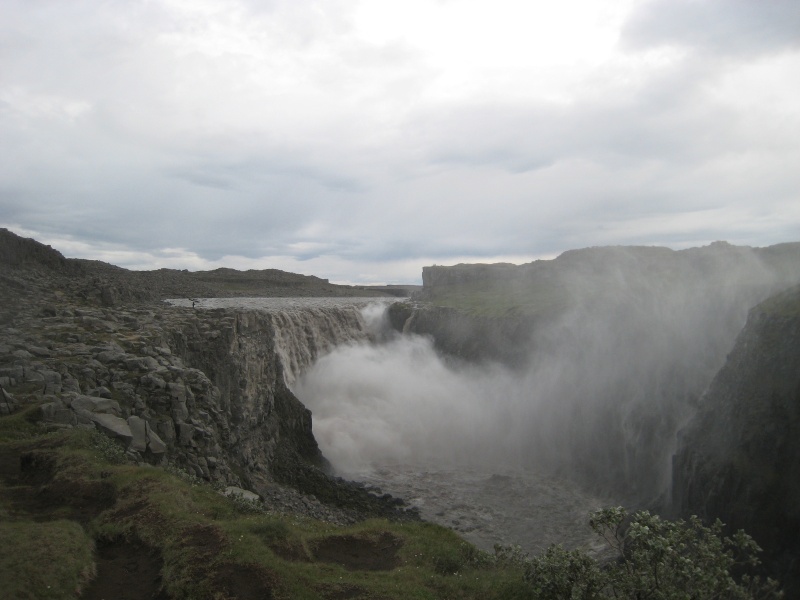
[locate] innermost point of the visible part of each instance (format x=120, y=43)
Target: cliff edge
x=203, y=391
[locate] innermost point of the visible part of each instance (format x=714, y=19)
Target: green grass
x=40, y=561
x=21, y=425
x=171, y=513
x=511, y=299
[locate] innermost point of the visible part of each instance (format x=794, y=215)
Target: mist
x=604, y=390
x=401, y=402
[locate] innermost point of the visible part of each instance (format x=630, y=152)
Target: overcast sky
x=361, y=140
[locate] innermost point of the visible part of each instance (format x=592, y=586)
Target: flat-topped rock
x=113, y=426
x=94, y=404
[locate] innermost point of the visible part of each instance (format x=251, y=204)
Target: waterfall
x=307, y=328
x=304, y=335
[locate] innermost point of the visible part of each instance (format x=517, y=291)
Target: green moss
x=44, y=560
x=21, y=424
x=201, y=535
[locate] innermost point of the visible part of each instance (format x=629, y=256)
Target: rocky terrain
x=204, y=391
x=90, y=352
x=86, y=347
x=24, y=261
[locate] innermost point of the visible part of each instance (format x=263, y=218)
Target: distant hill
x=547, y=287
x=24, y=262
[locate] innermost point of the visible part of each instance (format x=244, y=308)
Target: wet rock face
x=739, y=459
x=469, y=337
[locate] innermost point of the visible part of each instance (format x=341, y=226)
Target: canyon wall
x=739, y=458
x=611, y=348
x=202, y=390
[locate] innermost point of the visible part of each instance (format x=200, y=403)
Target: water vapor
x=400, y=402
x=606, y=386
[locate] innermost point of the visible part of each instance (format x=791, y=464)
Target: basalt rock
x=202, y=390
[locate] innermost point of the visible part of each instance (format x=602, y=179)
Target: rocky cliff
x=467, y=336
x=739, y=458
x=202, y=390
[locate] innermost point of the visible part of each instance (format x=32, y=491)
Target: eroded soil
x=126, y=570
x=359, y=554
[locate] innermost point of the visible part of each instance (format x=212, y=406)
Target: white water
x=307, y=328
x=445, y=437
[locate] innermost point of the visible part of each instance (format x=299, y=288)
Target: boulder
x=103, y=392
x=179, y=410
x=231, y=491
x=111, y=356
x=165, y=430
x=154, y=443
x=56, y=412
x=152, y=381
x=185, y=433
x=8, y=403
x=141, y=363
x=40, y=352
x=96, y=405
x=113, y=427
x=139, y=431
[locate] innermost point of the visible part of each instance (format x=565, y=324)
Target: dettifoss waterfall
x=447, y=437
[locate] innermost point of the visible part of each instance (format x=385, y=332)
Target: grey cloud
x=219, y=172
x=162, y=159
x=726, y=27
x=522, y=138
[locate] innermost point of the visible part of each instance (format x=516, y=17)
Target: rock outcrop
x=471, y=337
x=739, y=458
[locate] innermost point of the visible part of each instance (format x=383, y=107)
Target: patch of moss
x=39, y=561
x=209, y=546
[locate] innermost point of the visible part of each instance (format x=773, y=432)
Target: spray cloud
x=604, y=389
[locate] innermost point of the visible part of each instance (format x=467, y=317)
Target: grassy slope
x=785, y=304
x=208, y=543
x=523, y=299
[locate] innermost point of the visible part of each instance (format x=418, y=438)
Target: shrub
x=109, y=449
x=657, y=559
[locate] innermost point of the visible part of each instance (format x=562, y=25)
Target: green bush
x=656, y=559
x=111, y=450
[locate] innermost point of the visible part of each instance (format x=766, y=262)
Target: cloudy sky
x=359, y=140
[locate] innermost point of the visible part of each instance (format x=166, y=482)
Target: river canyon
x=502, y=401
x=390, y=411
